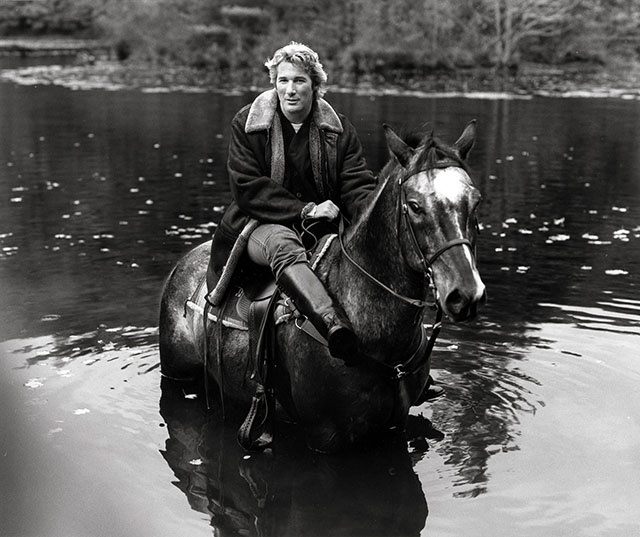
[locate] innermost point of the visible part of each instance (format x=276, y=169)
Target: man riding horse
x=294, y=162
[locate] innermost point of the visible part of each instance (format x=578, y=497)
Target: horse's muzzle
x=463, y=304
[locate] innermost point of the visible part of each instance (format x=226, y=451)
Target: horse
x=414, y=238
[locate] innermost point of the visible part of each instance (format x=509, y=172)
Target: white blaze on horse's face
x=442, y=206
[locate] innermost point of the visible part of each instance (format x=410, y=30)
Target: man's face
x=295, y=92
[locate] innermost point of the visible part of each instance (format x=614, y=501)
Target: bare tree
x=516, y=20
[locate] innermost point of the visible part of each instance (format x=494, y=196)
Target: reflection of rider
x=292, y=157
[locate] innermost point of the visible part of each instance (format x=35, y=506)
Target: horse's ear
x=398, y=147
x=468, y=137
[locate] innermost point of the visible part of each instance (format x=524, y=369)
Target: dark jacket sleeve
x=356, y=181
x=253, y=190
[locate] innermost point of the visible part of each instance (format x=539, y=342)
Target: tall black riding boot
x=309, y=295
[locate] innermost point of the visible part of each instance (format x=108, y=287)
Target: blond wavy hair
x=301, y=56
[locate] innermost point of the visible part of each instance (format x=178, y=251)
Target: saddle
x=250, y=302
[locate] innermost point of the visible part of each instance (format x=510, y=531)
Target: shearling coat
x=256, y=171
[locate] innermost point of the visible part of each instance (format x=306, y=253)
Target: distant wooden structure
x=26, y=47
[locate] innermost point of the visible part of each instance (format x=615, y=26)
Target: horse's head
x=437, y=218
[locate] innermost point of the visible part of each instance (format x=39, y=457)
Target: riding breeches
x=276, y=246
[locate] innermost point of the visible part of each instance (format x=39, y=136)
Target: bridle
x=426, y=263
x=421, y=354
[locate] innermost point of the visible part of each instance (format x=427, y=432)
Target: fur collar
x=265, y=105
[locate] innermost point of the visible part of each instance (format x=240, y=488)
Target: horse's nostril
x=455, y=302
x=463, y=307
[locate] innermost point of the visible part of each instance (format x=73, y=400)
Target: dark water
x=102, y=191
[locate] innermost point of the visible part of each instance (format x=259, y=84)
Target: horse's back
x=179, y=356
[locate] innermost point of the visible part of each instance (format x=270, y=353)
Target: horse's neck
x=383, y=320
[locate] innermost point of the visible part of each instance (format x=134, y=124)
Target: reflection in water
x=486, y=395
x=292, y=491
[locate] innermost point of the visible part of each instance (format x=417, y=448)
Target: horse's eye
x=415, y=207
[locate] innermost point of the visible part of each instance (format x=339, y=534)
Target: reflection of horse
x=293, y=492
x=417, y=230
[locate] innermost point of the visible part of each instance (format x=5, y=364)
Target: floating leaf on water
x=559, y=238
x=616, y=272
x=621, y=235
x=33, y=383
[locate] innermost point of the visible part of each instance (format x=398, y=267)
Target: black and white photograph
x=330, y=268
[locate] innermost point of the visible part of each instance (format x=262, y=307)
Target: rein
x=411, y=301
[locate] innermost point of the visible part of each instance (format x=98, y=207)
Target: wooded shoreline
x=89, y=64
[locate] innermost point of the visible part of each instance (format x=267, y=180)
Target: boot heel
x=343, y=344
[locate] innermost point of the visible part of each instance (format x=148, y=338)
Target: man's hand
x=326, y=209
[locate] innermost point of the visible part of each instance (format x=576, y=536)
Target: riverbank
x=529, y=80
